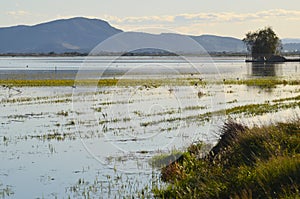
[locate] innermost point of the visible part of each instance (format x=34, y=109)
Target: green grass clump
x=57, y=82
x=143, y=83
x=260, y=109
x=261, y=162
x=165, y=159
x=279, y=177
x=263, y=82
x=288, y=99
x=37, y=82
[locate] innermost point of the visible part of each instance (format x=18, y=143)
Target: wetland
x=78, y=127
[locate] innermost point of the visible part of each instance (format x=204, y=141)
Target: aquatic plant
x=5, y=191
x=245, y=110
x=262, y=82
x=63, y=113
x=54, y=136
x=71, y=82
x=258, y=162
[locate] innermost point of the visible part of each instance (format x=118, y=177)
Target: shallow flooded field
x=98, y=141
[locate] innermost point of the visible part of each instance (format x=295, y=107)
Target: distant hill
x=66, y=35
x=82, y=35
x=140, y=43
x=290, y=40
x=291, y=47
x=214, y=43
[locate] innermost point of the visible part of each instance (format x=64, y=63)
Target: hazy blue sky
x=221, y=17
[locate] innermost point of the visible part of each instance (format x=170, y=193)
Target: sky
x=193, y=17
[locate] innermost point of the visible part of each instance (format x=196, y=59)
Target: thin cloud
x=207, y=17
x=142, y=19
x=18, y=13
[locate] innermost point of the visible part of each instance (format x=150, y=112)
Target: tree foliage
x=263, y=43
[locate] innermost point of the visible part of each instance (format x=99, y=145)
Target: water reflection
x=265, y=69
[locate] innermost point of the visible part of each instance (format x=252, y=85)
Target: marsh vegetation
x=257, y=162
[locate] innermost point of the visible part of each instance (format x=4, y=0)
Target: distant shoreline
x=77, y=54
x=258, y=61
x=125, y=54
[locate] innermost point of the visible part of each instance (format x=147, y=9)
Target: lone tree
x=263, y=44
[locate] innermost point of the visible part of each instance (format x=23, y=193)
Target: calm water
x=87, y=141
x=65, y=67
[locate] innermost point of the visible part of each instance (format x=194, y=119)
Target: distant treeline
x=50, y=54
x=79, y=54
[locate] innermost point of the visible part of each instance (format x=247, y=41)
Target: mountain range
x=65, y=35
x=82, y=35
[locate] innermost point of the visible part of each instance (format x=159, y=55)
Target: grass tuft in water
x=5, y=191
